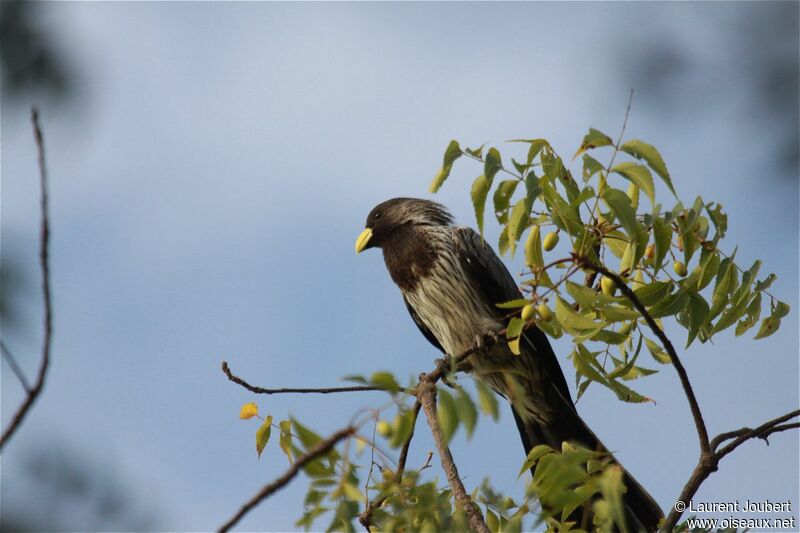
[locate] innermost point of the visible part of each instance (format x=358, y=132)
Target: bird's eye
x=376, y=216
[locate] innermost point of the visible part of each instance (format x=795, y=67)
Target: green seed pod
x=607, y=286
x=679, y=268
x=544, y=313
x=550, y=241
x=528, y=312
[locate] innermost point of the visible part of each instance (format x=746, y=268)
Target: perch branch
x=33, y=392
x=426, y=393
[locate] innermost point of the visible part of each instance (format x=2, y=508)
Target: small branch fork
x=711, y=451
x=33, y=391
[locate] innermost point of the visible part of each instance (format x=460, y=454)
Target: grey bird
x=451, y=281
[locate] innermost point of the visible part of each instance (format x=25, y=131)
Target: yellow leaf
x=249, y=410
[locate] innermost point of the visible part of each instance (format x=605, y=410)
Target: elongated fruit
x=550, y=241
x=544, y=312
x=528, y=312
x=607, y=286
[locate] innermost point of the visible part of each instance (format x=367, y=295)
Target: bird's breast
x=450, y=306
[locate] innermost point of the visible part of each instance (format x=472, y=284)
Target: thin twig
x=426, y=394
x=44, y=264
x=320, y=449
x=761, y=432
x=12, y=362
x=259, y=390
x=366, y=516
x=702, y=432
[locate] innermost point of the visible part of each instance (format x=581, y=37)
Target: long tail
x=643, y=513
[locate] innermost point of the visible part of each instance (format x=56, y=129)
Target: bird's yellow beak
x=363, y=240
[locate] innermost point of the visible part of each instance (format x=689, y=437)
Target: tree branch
x=702, y=432
x=426, y=394
x=761, y=432
x=320, y=449
x=259, y=390
x=44, y=264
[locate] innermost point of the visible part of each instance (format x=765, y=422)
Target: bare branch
x=317, y=451
x=702, y=432
x=259, y=390
x=761, y=432
x=44, y=264
x=426, y=393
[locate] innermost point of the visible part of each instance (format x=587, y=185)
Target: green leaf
x=653, y=293
x=657, y=352
x=593, y=139
x=487, y=400
x=662, y=238
x=402, y=426
x=480, y=188
x=452, y=153
x=492, y=522
x=513, y=304
x=609, y=337
x=671, y=305
x=533, y=457
x=709, y=266
x=285, y=441
x=564, y=215
x=639, y=176
x=753, y=314
x=502, y=197
x=533, y=248
x=352, y=493
x=517, y=223
x=620, y=205
x=591, y=166
x=467, y=412
x=447, y=414
x=492, y=164
x=306, y=436
x=648, y=152
x=768, y=326
x=569, y=319
x=698, y=311
x=385, y=380
x=514, y=328
x=262, y=435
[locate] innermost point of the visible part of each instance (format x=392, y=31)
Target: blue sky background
x=217, y=162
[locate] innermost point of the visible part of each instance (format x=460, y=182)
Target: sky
x=217, y=161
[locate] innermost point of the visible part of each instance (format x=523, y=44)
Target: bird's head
x=386, y=217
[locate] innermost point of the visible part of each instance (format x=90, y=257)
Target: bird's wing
x=484, y=267
x=422, y=327
x=497, y=285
